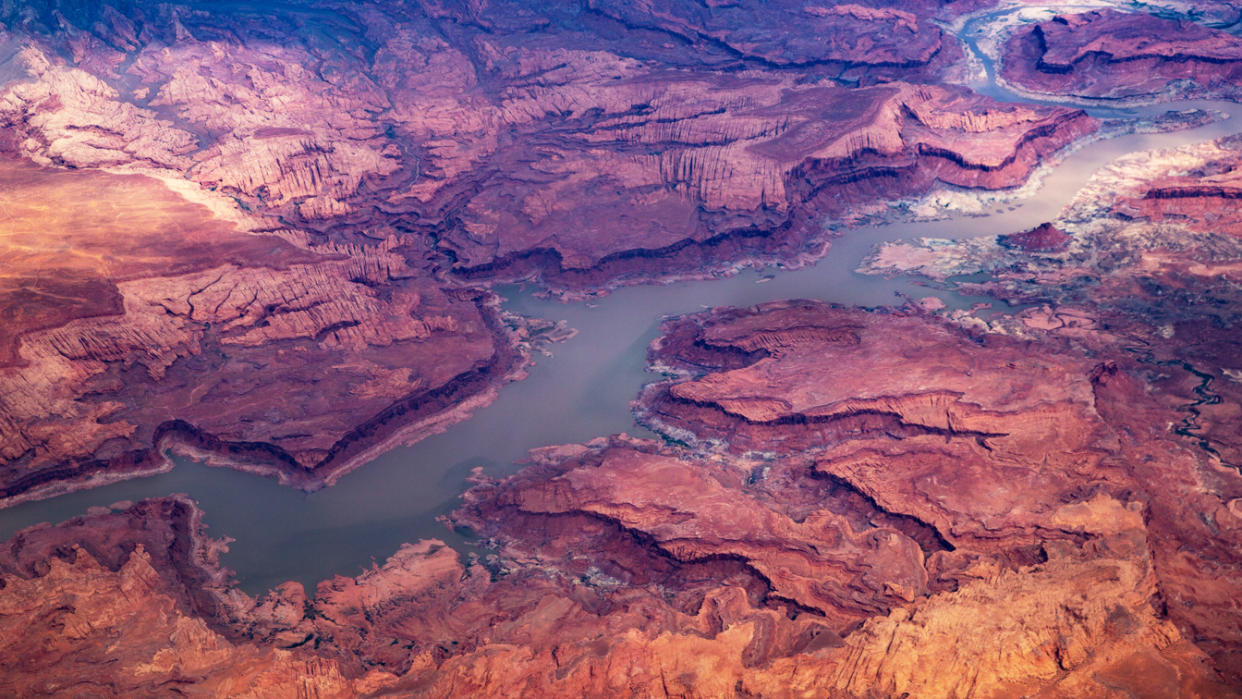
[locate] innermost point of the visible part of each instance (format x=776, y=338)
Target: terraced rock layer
x=1047, y=529
x=1148, y=276
x=141, y=319
x=1119, y=55
x=503, y=142
x=269, y=237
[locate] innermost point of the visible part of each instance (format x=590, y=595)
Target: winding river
x=582, y=392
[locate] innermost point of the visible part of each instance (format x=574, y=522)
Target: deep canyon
x=620, y=349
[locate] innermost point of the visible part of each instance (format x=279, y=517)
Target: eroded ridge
x=142, y=320
x=1123, y=55
x=1146, y=279
x=564, y=142
x=275, y=251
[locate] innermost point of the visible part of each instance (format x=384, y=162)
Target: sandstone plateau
x=269, y=237
x=1147, y=277
x=139, y=319
x=1123, y=55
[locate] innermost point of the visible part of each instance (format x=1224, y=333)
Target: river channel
x=581, y=392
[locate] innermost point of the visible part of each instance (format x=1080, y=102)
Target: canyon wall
x=1110, y=54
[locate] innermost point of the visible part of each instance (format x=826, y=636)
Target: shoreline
x=387, y=430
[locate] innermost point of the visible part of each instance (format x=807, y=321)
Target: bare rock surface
x=265, y=237
x=1118, y=55
x=140, y=319
x=1148, y=279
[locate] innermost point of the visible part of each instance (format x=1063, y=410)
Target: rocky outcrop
x=686, y=174
x=588, y=597
x=1118, y=55
x=315, y=220
x=889, y=373
x=857, y=43
x=1043, y=238
x=926, y=440
x=1148, y=281
x=587, y=156
x=284, y=269
x=500, y=159
x=161, y=323
x=1003, y=516
x=138, y=597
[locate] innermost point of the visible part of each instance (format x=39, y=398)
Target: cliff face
x=1111, y=54
x=502, y=142
x=863, y=43
x=682, y=173
x=1018, y=495
x=138, y=597
x=889, y=373
x=141, y=316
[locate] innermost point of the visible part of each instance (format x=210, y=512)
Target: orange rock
x=1080, y=622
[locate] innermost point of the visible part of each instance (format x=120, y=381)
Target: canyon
x=278, y=241
x=382, y=203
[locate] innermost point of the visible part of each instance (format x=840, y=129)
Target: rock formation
x=1147, y=278
x=1117, y=55
x=141, y=319
x=499, y=156
x=1043, y=238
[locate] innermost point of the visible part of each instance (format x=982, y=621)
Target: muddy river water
x=582, y=392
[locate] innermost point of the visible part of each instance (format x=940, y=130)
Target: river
x=582, y=392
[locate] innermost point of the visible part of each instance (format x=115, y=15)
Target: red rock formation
x=858, y=43
x=140, y=317
x=1020, y=497
x=1201, y=198
x=1149, y=284
x=687, y=174
x=865, y=502
x=891, y=374
x=981, y=469
x=1049, y=526
x=547, y=621
x=1043, y=238
x=71, y=239
x=1111, y=54
x=139, y=598
x=586, y=154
